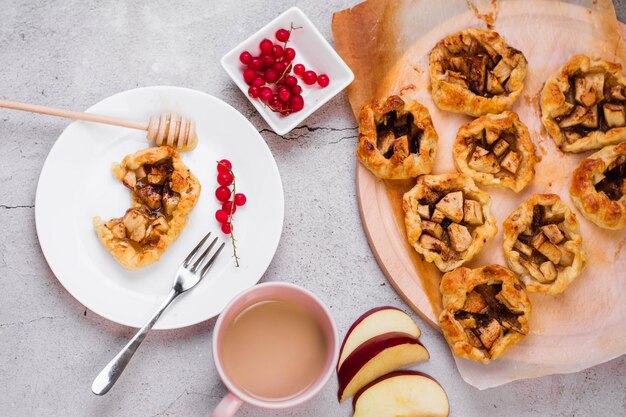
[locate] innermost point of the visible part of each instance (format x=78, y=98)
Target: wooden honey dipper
x=167, y=129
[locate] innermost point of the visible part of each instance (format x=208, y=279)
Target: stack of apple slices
x=380, y=342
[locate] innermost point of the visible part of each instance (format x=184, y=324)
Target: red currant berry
x=284, y=95
x=266, y=46
x=266, y=94
x=279, y=66
x=271, y=76
x=282, y=35
x=255, y=63
x=258, y=82
x=323, y=80
x=245, y=57
x=222, y=194
x=227, y=207
x=299, y=69
x=309, y=77
x=290, y=81
x=296, y=103
x=224, y=166
x=254, y=91
x=240, y=199
x=290, y=54
x=224, y=178
x=226, y=228
x=273, y=102
x=268, y=60
x=249, y=76
x=221, y=216
x=296, y=89
x=278, y=51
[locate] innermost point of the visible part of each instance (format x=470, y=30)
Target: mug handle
x=228, y=406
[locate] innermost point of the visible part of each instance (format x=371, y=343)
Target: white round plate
x=76, y=184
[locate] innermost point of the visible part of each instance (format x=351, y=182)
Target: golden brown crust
x=591, y=197
x=475, y=72
x=448, y=219
x=496, y=149
x=485, y=311
x=583, y=104
x=164, y=192
x=543, y=244
x=397, y=139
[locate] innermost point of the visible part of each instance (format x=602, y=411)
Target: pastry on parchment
x=485, y=311
x=496, y=149
x=543, y=244
x=164, y=192
x=448, y=219
x=475, y=72
x=397, y=139
x=583, y=104
x=599, y=187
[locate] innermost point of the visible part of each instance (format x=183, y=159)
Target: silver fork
x=187, y=277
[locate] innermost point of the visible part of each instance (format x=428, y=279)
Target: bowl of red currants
x=287, y=70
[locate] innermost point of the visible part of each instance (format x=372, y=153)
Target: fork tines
x=200, y=259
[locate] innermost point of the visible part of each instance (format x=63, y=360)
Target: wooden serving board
x=550, y=33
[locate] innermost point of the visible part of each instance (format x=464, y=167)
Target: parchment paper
x=387, y=42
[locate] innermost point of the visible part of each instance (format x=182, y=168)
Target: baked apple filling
x=485, y=319
x=614, y=182
x=476, y=66
x=447, y=222
x=398, y=135
x=541, y=246
x=594, y=101
x=154, y=203
x=448, y=219
x=542, y=243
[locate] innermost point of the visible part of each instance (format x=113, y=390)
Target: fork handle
x=109, y=375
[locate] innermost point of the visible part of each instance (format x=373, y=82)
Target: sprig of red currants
x=226, y=178
x=269, y=75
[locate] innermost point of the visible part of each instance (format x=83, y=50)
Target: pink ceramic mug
x=273, y=291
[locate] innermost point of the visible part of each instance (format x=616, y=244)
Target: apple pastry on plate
x=164, y=192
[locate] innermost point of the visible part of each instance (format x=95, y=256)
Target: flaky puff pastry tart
x=543, y=244
x=164, y=192
x=397, y=139
x=475, y=72
x=448, y=219
x=599, y=187
x=496, y=149
x=582, y=105
x=485, y=311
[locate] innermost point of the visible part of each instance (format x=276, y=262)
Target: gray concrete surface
x=74, y=53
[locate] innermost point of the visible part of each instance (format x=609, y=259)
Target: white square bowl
x=312, y=50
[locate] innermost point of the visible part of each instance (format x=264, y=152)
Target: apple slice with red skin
x=376, y=357
x=377, y=321
x=402, y=393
